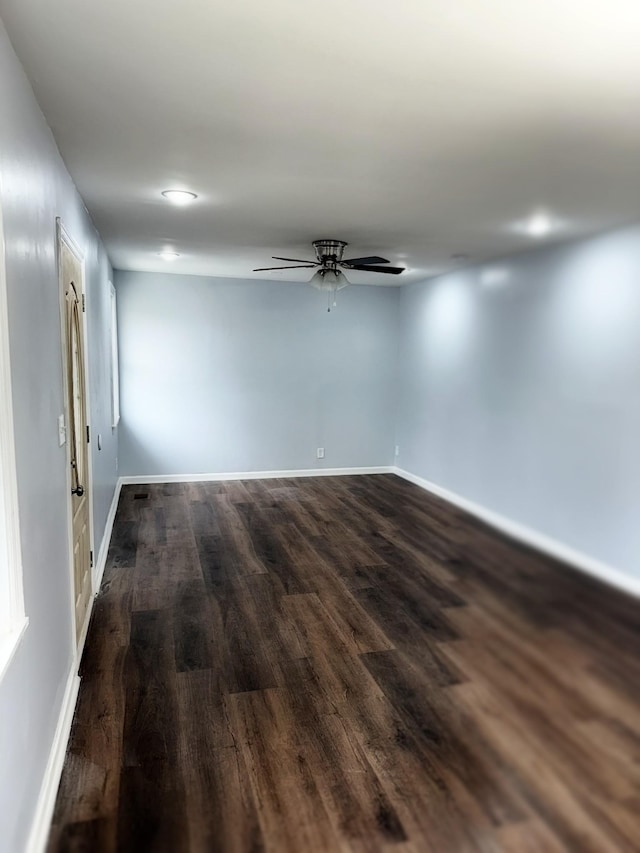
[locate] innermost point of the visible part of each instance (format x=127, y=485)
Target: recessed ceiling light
x=168, y=255
x=539, y=225
x=180, y=197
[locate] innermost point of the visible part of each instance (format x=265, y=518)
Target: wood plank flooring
x=346, y=664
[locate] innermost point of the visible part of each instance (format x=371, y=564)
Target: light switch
x=62, y=431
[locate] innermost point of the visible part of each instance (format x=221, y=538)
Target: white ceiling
x=413, y=129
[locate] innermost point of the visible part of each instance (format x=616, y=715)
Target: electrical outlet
x=397, y=450
x=320, y=453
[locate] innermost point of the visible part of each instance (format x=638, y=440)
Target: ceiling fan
x=329, y=259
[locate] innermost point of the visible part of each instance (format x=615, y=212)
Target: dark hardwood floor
x=346, y=664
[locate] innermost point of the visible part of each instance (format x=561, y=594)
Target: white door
x=77, y=432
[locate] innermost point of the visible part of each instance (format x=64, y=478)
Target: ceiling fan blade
x=299, y=267
x=365, y=268
x=294, y=260
x=373, y=259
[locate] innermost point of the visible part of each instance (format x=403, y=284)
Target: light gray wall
x=231, y=375
x=522, y=395
x=520, y=390
x=35, y=188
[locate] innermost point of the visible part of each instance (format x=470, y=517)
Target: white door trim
x=11, y=585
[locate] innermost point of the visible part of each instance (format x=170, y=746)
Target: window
x=12, y=621
x=115, y=376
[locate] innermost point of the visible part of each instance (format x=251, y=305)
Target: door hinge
x=84, y=304
x=88, y=434
x=91, y=558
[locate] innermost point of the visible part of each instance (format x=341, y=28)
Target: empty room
x=319, y=426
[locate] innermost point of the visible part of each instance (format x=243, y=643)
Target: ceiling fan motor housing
x=329, y=252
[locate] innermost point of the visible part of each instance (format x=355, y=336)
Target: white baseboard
x=46, y=801
x=98, y=569
x=144, y=479
x=49, y=790
x=47, y=798
x=528, y=536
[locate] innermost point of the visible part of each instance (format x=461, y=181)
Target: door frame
x=63, y=236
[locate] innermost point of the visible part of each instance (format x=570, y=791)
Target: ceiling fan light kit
x=329, y=279
x=329, y=254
